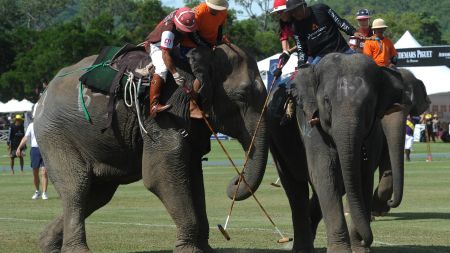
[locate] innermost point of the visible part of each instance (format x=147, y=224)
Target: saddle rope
x=130, y=90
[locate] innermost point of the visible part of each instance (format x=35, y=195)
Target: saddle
x=115, y=67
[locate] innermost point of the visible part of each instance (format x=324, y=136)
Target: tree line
x=39, y=37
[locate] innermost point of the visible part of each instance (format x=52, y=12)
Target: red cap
x=279, y=5
x=185, y=20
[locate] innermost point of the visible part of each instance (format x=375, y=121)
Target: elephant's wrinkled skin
x=394, y=131
x=349, y=94
x=86, y=166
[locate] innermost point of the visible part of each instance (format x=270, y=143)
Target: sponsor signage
x=424, y=56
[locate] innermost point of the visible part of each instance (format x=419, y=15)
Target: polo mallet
x=241, y=178
x=276, y=183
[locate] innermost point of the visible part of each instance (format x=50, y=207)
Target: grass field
x=136, y=221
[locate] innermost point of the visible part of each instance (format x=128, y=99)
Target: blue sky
x=179, y=3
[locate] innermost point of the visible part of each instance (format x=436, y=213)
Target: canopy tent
x=407, y=41
x=435, y=78
x=14, y=105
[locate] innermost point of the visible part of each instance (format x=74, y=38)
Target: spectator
x=409, y=137
x=380, y=48
x=16, y=132
x=363, y=18
x=427, y=119
x=36, y=162
x=316, y=30
x=436, y=125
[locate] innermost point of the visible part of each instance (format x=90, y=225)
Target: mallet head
x=224, y=232
x=284, y=240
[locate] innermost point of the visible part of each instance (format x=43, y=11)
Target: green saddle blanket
x=107, y=66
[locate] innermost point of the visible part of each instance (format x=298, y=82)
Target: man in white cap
x=167, y=35
x=380, y=48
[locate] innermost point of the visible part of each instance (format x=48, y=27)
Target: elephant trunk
x=394, y=130
x=256, y=165
x=349, y=142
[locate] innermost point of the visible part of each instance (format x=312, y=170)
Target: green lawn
x=136, y=221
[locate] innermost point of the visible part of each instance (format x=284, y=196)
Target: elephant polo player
x=167, y=35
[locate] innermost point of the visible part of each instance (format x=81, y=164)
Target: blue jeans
x=316, y=59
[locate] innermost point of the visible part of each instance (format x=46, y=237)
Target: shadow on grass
x=415, y=216
x=379, y=249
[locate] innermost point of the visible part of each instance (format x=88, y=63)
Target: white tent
x=14, y=105
x=435, y=78
x=264, y=66
x=406, y=41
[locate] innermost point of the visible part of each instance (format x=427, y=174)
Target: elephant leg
x=198, y=191
x=52, y=237
x=315, y=212
x=367, y=175
x=297, y=192
x=384, y=190
x=171, y=183
x=324, y=169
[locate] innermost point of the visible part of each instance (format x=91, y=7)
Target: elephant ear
x=304, y=90
x=391, y=92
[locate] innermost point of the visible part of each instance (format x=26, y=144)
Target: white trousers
x=157, y=60
x=409, y=140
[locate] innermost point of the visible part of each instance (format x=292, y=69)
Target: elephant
x=87, y=165
x=417, y=94
x=340, y=103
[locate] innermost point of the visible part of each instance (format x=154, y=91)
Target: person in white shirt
x=36, y=162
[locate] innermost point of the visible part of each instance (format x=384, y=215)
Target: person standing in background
x=36, y=162
x=409, y=137
x=16, y=132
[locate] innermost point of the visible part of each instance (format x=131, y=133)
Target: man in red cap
x=167, y=35
x=286, y=32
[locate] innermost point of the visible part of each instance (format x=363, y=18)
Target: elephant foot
x=206, y=247
x=361, y=249
x=78, y=249
x=339, y=249
x=188, y=248
x=303, y=251
x=51, y=238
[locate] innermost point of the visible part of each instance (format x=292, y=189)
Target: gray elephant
x=350, y=95
x=416, y=92
x=86, y=166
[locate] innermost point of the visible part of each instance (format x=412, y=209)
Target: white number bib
x=167, y=38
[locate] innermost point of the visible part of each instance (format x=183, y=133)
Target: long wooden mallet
x=276, y=183
x=222, y=229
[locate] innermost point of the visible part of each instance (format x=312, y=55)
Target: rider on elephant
x=316, y=31
x=210, y=17
x=285, y=32
x=380, y=48
x=167, y=35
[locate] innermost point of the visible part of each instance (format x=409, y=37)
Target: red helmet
x=279, y=5
x=185, y=20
